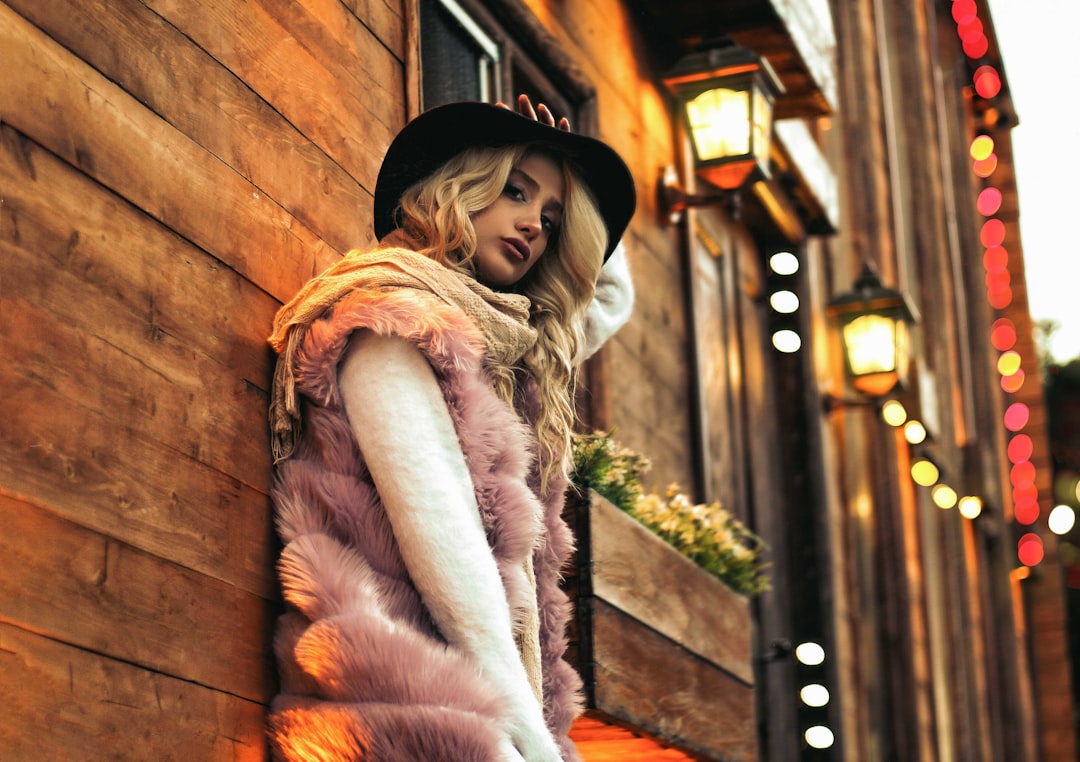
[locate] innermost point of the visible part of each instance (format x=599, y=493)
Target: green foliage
x=611, y=470
x=708, y=535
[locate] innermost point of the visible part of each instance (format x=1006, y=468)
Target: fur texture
x=365, y=675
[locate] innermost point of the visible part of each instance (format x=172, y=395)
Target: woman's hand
x=540, y=114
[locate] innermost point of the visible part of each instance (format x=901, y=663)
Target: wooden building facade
x=170, y=172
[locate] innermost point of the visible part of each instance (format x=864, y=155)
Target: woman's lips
x=518, y=248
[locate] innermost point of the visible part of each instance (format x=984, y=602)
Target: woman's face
x=513, y=233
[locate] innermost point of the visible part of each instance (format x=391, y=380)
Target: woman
x=421, y=416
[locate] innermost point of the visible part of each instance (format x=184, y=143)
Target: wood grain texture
x=646, y=680
x=87, y=706
x=643, y=576
x=171, y=76
x=313, y=62
x=663, y=647
x=76, y=113
x=104, y=596
x=176, y=344
x=88, y=467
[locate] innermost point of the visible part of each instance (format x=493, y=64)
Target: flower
x=709, y=535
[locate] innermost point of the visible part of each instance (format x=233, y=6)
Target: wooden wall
x=169, y=172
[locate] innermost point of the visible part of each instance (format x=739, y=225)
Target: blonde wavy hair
x=438, y=210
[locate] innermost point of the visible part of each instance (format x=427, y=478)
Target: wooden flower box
x=664, y=647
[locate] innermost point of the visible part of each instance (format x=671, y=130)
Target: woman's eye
x=548, y=224
x=514, y=191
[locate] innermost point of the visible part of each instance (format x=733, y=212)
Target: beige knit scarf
x=502, y=318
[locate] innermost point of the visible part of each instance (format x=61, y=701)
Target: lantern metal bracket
x=672, y=200
x=831, y=403
x=780, y=649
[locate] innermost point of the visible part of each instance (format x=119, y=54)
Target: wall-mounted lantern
x=873, y=322
x=725, y=99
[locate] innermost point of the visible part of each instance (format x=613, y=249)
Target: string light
x=1062, y=519
x=915, y=432
x=894, y=413
x=987, y=83
x=970, y=507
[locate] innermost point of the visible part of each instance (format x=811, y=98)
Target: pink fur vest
x=364, y=673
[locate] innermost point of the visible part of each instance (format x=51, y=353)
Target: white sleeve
x=399, y=417
x=613, y=303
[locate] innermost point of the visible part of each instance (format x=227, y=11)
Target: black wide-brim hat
x=436, y=136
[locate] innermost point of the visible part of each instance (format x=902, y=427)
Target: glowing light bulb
x=996, y=259
x=944, y=496
x=814, y=694
x=1030, y=549
x=924, y=473
x=784, y=263
x=999, y=298
x=1003, y=335
x=1062, y=519
x=787, y=341
x=992, y=233
x=894, y=413
x=819, y=737
x=1012, y=384
x=915, y=432
x=810, y=653
x=985, y=167
x=1016, y=416
x=784, y=302
x=982, y=147
x=1009, y=362
x=989, y=201
x=970, y=507
x=1020, y=448
x=987, y=81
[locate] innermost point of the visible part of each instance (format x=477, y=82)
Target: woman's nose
x=529, y=224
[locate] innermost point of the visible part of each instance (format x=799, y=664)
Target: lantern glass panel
x=719, y=123
x=871, y=343
x=762, y=128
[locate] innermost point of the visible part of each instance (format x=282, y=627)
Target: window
x=492, y=51
x=460, y=61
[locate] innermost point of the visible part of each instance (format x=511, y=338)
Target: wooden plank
x=347, y=96
x=91, y=123
x=90, y=468
x=644, y=679
x=643, y=576
x=88, y=590
x=130, y=264
x=183, y=403
x=163, y=69
x=86, y=706
x=61, y=327
x=650, y=417
x=385, y=19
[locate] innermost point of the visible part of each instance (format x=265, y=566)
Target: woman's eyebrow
x=534, y=186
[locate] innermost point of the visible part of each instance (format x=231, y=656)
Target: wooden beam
x=92, y=124
x=86, y=705
x=79, y=587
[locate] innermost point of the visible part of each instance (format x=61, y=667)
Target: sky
x=1038, y=43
